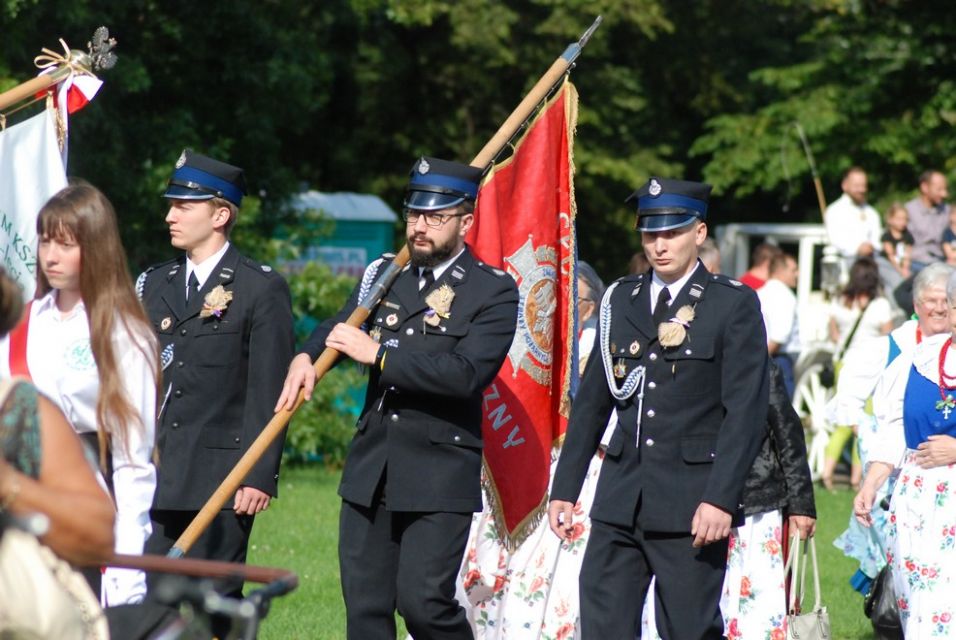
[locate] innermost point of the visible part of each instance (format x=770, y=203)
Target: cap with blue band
x=664, y=204
x=436, y=184
x=199, y=177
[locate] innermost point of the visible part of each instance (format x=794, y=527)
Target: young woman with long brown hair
x=88, y=346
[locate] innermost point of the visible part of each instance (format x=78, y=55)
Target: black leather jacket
x=780, y=478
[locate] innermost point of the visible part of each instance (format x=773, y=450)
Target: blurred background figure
x=638, y=263
x=949, y=238
x=759, y=269
x=709, y=254
x=590, y=291
x=928, y=219
x=778, y=304
x=896, y=248
x=853, y=226
x=859, y=317
x=43, y=470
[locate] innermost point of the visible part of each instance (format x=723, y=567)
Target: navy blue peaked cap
x=199, y=177
x=664, y=204
x=435, y=184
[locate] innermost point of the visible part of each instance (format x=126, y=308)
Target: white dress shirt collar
x=206, y=267
x=675, y=287
x=47, y=304
x=439, y=269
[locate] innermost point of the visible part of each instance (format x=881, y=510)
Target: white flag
x=31, y=170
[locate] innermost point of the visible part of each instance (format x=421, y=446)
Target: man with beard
x=412, y=476
x=853, y=226
x=928, y=218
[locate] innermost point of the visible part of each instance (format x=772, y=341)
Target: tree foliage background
x=344, y=94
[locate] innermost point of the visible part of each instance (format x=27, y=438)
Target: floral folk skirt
x=753, y=601
x=921, y=546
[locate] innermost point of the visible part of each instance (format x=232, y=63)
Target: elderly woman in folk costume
x=915, y=407
x=87, y=345
x=859, y=379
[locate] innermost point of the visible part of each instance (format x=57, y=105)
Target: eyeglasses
x=935, y=303
x=433, y=219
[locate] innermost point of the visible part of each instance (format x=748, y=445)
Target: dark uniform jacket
x=421, y=422
x=221, y=376
x=703, y=413
x=780, y=477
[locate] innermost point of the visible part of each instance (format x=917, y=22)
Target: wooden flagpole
x=225, y=492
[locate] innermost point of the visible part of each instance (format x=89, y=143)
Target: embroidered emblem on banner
x=537, y=275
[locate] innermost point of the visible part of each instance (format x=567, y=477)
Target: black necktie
x=192, y=286
x=661, y=309
x=429, y=277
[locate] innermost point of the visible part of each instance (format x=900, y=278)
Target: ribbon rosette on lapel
x=439, y=302
x=673, y=332
x=215, y=302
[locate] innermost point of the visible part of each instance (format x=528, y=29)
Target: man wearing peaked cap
x=224, y=324
x=412, y=477
x=682, y=358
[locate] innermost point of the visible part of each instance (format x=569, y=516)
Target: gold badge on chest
x=165, y=323
x=439, y=302
x=375, y=334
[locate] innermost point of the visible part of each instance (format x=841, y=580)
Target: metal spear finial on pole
x=98, y=57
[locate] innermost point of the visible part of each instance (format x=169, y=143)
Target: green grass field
x=300, y=532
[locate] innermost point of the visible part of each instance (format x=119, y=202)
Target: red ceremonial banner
x=524, y=224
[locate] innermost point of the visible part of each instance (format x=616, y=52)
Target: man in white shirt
x=853, y=226
x=778, y=304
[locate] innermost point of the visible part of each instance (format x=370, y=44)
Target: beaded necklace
x=946, y=403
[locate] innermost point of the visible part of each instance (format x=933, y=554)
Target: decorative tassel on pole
x=58, y=67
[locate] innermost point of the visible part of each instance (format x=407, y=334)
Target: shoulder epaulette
x=263, y=269
x=728, y=282
x=631, y=282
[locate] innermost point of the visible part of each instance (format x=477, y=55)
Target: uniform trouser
x=617, y=569
x=403, y=560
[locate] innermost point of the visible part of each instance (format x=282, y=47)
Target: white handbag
x=815, y=624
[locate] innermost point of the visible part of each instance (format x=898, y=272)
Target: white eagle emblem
x=537, y=277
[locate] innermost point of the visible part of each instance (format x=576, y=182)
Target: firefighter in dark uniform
x=682, y=355
x=411, y=478
x=225, y=329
